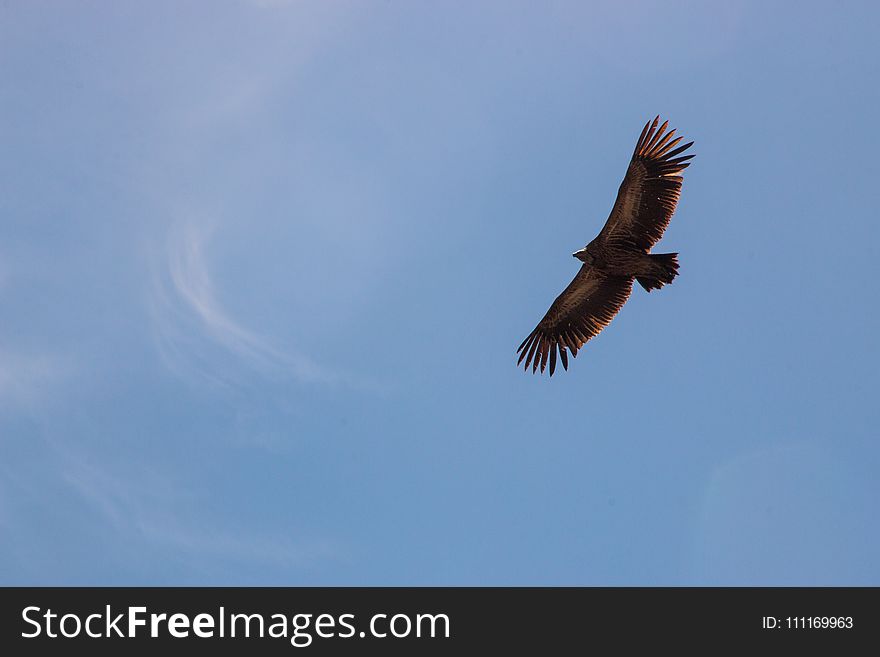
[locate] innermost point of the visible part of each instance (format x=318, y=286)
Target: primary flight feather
x=619, y=254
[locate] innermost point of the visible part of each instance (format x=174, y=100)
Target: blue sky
x=264, y=267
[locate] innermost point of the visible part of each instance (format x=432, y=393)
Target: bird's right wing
x=583, y=309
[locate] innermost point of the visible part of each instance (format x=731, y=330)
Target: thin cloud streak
x=187, y=314
x=141, y=505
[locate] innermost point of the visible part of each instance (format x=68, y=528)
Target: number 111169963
x=807, y=623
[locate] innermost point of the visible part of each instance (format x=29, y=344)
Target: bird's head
x=583, y=255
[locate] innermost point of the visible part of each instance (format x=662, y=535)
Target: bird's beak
x=577, y=253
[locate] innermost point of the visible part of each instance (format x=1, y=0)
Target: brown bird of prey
x=620, y=253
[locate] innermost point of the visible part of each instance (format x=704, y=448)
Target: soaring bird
x=620, y=253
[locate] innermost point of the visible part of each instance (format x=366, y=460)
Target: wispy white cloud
x=193, y=286
x=194, y=332
x=782, y=514
x=144, y=505
x=240, y=547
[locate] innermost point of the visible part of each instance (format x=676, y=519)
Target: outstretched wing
x=583, y=309
x=649, y=192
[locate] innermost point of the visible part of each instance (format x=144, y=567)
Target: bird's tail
x=662, y=268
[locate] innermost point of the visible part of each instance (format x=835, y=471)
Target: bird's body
x=621, y=260
x=619, y=255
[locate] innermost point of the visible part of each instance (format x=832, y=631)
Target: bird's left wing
x=583, y=309
x=649, y=192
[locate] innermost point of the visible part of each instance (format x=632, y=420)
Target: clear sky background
x=264, y=267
